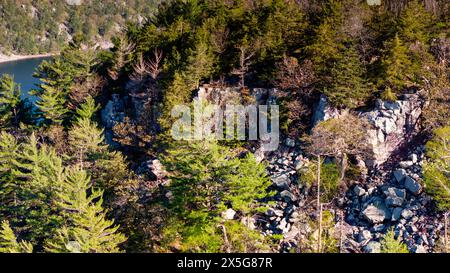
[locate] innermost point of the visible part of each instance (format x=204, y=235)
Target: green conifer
x=87, y=229
x=391, y=245
x=8, y=241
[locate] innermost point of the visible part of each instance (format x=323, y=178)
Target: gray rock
x=288, y=196
x=376, y=214
x=372, y=247
x=413, y=158
x=282, y=181
x=274, y=212
x=412, y=185
x=419, y=249
x=406, y=164
x=359, y=191
x=395, y=197
x=391, y=121
x=400, y=175
x=290, y=142
x=249, y=222
x=228, y=214
x=407, y=214
x=396, y=214
x=364, y=236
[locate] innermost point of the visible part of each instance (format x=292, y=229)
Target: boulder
x=407, y=214
x=364, y=236
x=372, y=247
x=392, y=123
x=288, y=196
x=395, y=197
x=396, y=214
x=359, y=191
x=282, y=181
x=290, y=142
x=406, y=164
x=400, y=175
x=323, y=111
x=228, y=214
x=376, y=214
x=419, y=249
x=412, y=185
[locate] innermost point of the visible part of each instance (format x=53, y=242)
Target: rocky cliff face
x=387, y=199
x=393, y=124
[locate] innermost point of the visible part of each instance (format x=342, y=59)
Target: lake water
x=23, y=70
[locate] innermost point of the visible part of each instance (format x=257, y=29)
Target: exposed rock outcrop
x=394, y=123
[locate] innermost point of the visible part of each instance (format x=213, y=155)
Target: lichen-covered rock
x=376, y=214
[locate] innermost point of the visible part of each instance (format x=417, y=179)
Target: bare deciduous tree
x=246, y=54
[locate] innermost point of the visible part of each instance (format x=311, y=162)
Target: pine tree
x=87, y=229
x=205, y=181
x=39, y=173
x=348, y=88
x=8, y=241
x=86, y=139
x=246, y=183
x=9, y=101
x=413, y=23
x=8, y=162
x=108, y=169
x=52, y=104
x=391, y=245
x=88, y=109
x=437, y=168
x=396, y=64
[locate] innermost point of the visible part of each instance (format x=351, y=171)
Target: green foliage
x=86, y=138
x=437, y=168
x=9, y=101
x=8, y=241
x=329, y=179
x=8, y=161
x=411, y=28
x=88, y=109
x=391, y=245
x=38, y=173
x=87, y=229
x=93, y=20
x=205, y=180
x=388, y=95
x=348, y=87
x=396, y=64
x=329, y=243
x=75, y=66
x=52, y=104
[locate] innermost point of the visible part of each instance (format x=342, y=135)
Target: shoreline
x=12, y=57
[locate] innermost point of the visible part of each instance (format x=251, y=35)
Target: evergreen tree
x=88, y=109
x=391, y=245
x=348, y=87
x=87, y=229
x=437, y=168
x=205, y=181
x=8, y=241
x=9, y=101
x=413, y=23
x=52, y=104
x=39, y=173
x=396, y=64
x=86, y=139
x=8, y=162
